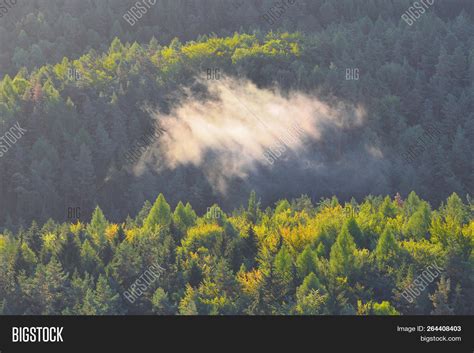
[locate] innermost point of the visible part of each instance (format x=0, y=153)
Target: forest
x=295, y=258
x=83, y=114
x=343, y=226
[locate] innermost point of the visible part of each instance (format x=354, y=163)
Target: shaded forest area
x=80, y=129
x=293, y=259
x=37, y=32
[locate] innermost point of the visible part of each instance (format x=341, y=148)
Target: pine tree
x=388, y=209
x=25, y=259
x=127, y=264
x=282, y=206
x=181, y=220
x=46, y=292
x=187, y=305
x=284, y=269
x=160, y=214
x=253, y=208
x=311, y=297
x=440, y=298
x=190, y=214
x=356, y=233
x=342, y=257
x=96, y=229
x=90, y=261
x=161, y=303
x=418, y=224
x=387, y=247
x=144, y=212
x=306, y=262
x=106, y=301
x=33, y=238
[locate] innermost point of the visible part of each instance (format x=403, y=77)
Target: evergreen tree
x=342, y=258
x=160, y=214
x=387, y=247
x=306, y=262
x=253, y=208
x=90, y=261
x=96, y=228
x=161, y=303
x=440, y=298
x=104, y=300
x=356, y=233
x=311, y=297
x=182, y=220
x=47, y=292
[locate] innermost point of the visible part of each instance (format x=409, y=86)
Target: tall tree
x=341, y=258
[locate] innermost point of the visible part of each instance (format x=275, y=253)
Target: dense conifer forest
x=292, y=259
x=344, y=226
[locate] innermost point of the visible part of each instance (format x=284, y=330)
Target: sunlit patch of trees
x=293, y=259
